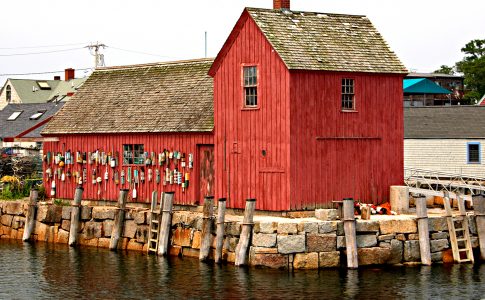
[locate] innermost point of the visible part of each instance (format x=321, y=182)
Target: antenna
x=206, y=44
x=98, y=57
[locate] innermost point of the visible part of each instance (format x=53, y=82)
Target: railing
x=441, y=181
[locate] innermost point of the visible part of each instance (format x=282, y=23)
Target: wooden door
x=206, y=171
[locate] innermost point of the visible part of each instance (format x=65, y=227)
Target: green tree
x=444, y=69
x=473, y=67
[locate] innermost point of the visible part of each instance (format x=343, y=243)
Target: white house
x=446, y=139
x=32, y=91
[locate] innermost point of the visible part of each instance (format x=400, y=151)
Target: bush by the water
x=13, y=188
x=19, y=175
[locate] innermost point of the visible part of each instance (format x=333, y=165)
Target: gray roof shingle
x=161, y=97
x=10, y=129
x=444, y=122
x=331, y=42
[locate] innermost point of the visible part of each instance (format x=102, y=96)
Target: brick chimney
x=281, y=4
x=68, y=74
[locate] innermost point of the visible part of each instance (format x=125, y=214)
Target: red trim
x=34, y=127
x=227, y=45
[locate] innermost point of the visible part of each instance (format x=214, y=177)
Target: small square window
x=14, y=116
x=250, y=86
x=348, y=95
x=43, y=85
x=473, y=153
x=133, y=154
x=37, y=115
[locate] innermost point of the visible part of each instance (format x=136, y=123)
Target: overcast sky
x=424, y=33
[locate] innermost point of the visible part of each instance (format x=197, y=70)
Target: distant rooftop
x=433, y=75
x=18, y=118
x=444, y=122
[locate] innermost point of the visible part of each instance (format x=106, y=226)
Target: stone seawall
x=304, y=243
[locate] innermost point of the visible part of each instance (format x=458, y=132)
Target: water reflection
x=48, y=271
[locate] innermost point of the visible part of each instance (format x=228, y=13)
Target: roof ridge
x=165, y=63
x=306, y=12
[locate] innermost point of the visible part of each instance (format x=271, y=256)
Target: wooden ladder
x=155, y=218
x=459, y=236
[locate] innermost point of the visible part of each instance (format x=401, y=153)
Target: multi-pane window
x=133, y=154
x=348, y=95
x=250, y=86
x=9, y=93
x=473, y=153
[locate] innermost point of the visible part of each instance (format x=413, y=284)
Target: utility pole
x=98, y=57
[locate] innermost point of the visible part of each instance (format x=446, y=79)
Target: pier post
x=350, y=233
x=208, y=213
x=166, y=223
x=247, y=226
x=30, y=220
x=221, y=213
x=423, y=230
x=119, y=220
x=479, y=210
x=75, y=216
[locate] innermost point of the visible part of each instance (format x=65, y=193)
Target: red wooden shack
x=308, y=109
x=303, y=108
x=143, y=127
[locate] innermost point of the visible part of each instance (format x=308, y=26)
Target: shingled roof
x=29, y=116
x=444, y=122
x=162, y=97
x=322, y=41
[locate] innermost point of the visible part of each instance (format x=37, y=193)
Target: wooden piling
x=479, y=209
x=221, y=213
x=30, y=218
x=208, y=212
x=423, y=230
x=166, y=223
x=245, y=237
x=119, y=220
x=75, y=216
x=350, y=233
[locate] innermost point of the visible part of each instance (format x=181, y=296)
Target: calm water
x=46, y=271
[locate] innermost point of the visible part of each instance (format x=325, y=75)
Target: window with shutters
x=473, y=153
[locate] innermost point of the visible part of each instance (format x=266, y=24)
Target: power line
x=139, y=52
x=44, y=46
x=42, y=52
x=40, y=73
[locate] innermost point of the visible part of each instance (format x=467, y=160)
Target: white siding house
x=445, y=139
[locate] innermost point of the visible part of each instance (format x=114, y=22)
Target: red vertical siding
x=332, y=168
x=184, y=142
x=241, y=135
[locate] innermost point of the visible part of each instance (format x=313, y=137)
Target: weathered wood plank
x=245, y=237
x=75, y=217
x=221, y=214
x=30, y=218
x=208, y=212
x=423, y=230
x=119, y=220
x=350, y=233
x=166, y=223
